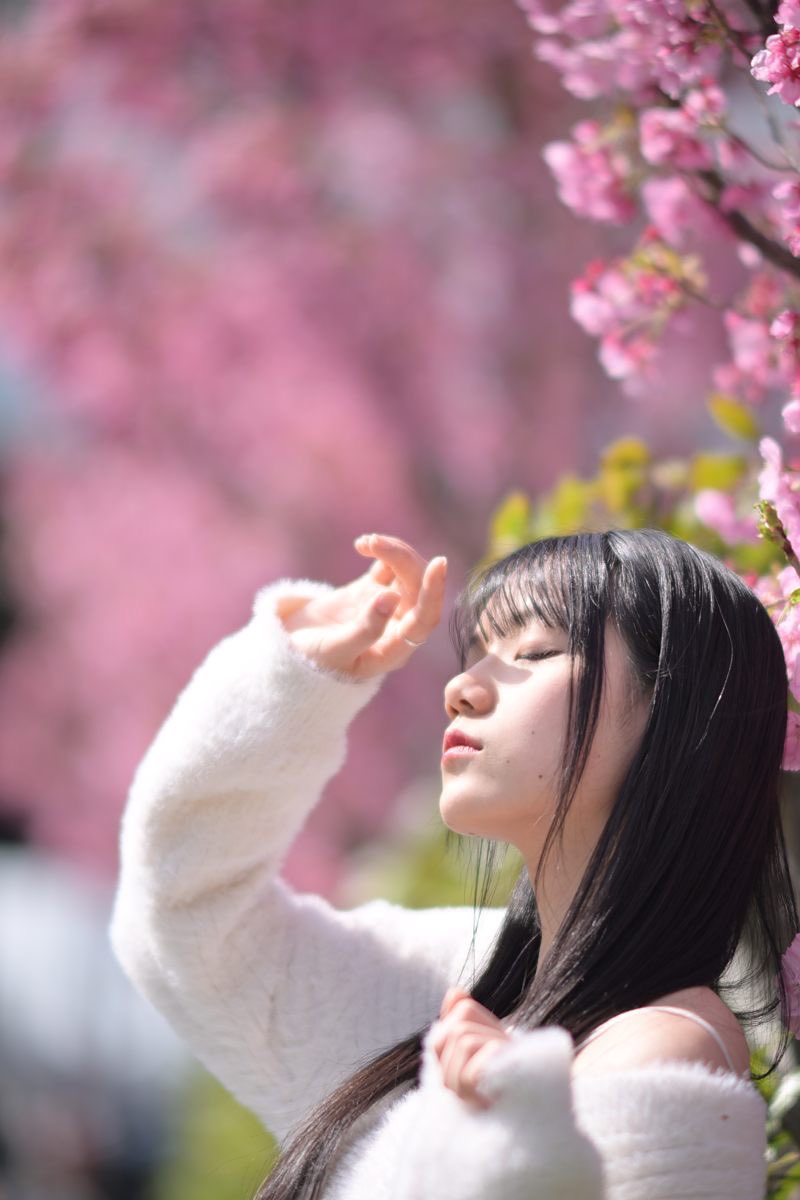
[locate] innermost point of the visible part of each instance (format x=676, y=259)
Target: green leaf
x=569, y=504
x=617, y=486
x=626, y=452
x=510, y=524
x=671, y=474
x=221, y=1150
x=733, y=417
x=623, y=472
x=721, y=471
x=755, y=559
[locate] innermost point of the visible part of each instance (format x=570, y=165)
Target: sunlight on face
x=512, y=700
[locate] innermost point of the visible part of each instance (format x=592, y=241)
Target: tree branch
x=765, y=25
x=746, y=231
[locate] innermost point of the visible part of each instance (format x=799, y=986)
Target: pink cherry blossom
x=788, y=626
x=589, y=70
x=629, y=305
x=723, y=204
x=787, y=195
x=776, y=592
x=681, y=217
x=779, y=64
x=705, y=105
x=789, y=13
x=600, y=48
x=604, y=299
x=765, y=346
x=785, y=329
x=627, y=358
x=717, y=510
x=669, y=137
x=581, y=19
x=790, y=961
x=782, y=487
x=791, y=762
x=750, y=341
x=755, y=359
x=786, y=326
x=591, y=173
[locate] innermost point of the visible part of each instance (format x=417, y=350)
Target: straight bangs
x=559, y=582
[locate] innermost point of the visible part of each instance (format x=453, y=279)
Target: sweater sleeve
x=279, y=994
x=525, y=1146
x=664, y=1131
x=676, y=1131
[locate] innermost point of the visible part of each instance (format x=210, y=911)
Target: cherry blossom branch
x=765, y=25
x=765, y=19
x=770, y=118
x=744, y=229
x=765, y=162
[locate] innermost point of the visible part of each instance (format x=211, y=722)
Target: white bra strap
x=680, y=1012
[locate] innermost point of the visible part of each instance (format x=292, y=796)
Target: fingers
x=462, y=1061
x=413, y=628
x=421, y=585
x=380, y=572
x=464, y=1039
x=370, y=625
x=451, y=998
x=402, y=560
x=359, y=636
x=420, y=623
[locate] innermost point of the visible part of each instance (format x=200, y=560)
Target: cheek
x=544, y=732
x=619, y=733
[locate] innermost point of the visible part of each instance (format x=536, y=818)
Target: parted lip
x=454, y=737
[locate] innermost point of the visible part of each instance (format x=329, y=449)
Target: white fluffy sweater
x=283, y=997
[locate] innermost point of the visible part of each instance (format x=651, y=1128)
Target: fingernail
x=385, y=605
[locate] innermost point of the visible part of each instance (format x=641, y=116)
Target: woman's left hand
x=465, y=1038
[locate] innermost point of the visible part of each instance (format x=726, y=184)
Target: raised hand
x=374, y=623
x=465, y=1037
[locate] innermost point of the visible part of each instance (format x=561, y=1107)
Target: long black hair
x=691, y=864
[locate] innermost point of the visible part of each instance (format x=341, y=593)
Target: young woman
x=619, y=717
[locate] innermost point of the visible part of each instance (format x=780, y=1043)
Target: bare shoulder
x=646, y=1035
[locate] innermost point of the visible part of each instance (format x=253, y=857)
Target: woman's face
x=512, y=700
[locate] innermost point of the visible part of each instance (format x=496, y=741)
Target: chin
x=452, y=814
x=461, y=816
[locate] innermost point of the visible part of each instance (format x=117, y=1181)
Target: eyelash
x=537, y=655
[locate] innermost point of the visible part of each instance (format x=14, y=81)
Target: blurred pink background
x=271, y=275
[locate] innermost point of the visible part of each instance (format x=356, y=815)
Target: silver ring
x=409, y=642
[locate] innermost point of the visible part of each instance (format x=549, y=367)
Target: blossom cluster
x=705, y=170
x=594, y=172
x=629, y=303
x=604, y=46
x=778, y=62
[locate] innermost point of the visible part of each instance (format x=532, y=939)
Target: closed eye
x=536, y=655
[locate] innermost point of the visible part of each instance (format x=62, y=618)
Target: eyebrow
x=479, y=642
x=475, y=641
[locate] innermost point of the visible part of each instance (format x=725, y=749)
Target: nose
x=468, y=693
